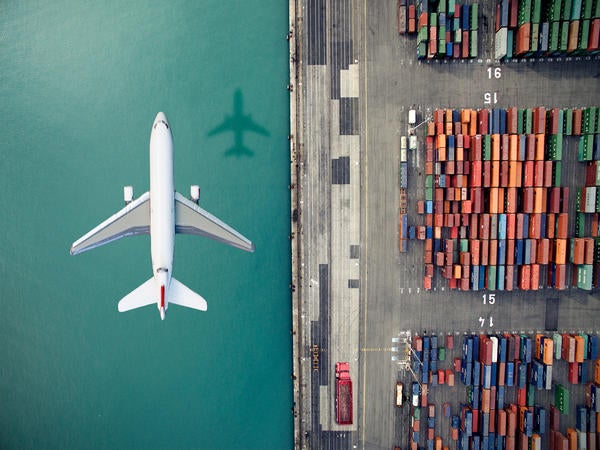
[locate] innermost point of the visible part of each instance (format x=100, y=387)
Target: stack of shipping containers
x=445, y=28
x=496, y=214
x=502, y=374
x=537, y=28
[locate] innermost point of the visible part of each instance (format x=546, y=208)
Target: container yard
x=536, y=28
x=496, y=214
x=447, y=224
x=505, y=391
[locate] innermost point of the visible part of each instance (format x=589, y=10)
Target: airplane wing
x=225, y=126
x=132, y=220
x=191, y=219
x=250, y=125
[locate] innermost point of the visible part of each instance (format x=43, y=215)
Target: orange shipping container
x=501, y=422
x=513, y=147
x=510, y=252
x=560, y=251
x=528, y=174
x=550, y=225
x=572, y=438
x=539, y=146
x=495, y=179
x=535, y=277
x=495, y=147
x=579, y=349
x=597, y=374
x=485, y=400
x=524, y=277
x=548, y=352
x=538, y=173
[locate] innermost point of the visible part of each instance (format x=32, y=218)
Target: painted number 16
x=495, y=72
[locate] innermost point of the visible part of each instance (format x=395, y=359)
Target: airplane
x=238, y=123
x=161, y=212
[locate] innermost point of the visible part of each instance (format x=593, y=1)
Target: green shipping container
x=584, y=277
x=491, y=278
x=561, y=398
x=579, y=223
x=536, y=13
x=428, y=181
x=528, y=121
x=555, y=142
x=520, y=120
x=530, y=394
x=464, y=245
x=510, y=36
x=586, y=147
x=568, y=122
x=433, y=19
x=534, y=37
x=554, y=36
x=564, y=36
x=524, y=13
x=474, y=16
x=587, y=8
x=422, y=50
x=441, y=354
x=451, y=7
x=422, y=35
x=487, y=147
x=428, y=193
x=473, y=44
x=554, y=11
x=576, y=10
x=556, y=173
x=566, y=11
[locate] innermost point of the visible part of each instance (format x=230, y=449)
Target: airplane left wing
x=132, y=220
x=191, y=219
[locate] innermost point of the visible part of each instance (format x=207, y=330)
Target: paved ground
x=357, y=291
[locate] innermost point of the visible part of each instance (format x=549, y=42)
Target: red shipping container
x=510, y=252
x=535, y=277
x=562, y=223
x=474, y=226
x=501, y=416
x=511, y=200
x=475, y=173
x=530, y=149
x=573, y=373
x=594, y=37
x=449, y=377
x=560, y=277
x=457, y=364
x=475, y=251
x=589, y=251
x=484, y=226
x=539, y=120
x=550, y=225
x=512, y=120
x=547, y=174
x=487, y=173
x=510, y=226
x=524, y=277
x=465, y=44
x=504, y=172
x=475, y=420
x=484, y=252
x=522, y=396
x=538, y=173
x=483, y=116
x=511, y=421
x=523, y=39
x=543, y=251
x=527, y=200
x=528, y=174
x=520, y=226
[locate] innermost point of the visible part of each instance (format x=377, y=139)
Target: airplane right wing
x=132, y=220
x=191, y=219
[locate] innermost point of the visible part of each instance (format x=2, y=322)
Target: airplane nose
x=161, y=118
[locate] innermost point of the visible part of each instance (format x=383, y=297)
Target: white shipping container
x=403, y=155
x=494, y=340
x=590, y=199
x=412, y=144
x=403, y=143
x=412, y=117
x=500, y=43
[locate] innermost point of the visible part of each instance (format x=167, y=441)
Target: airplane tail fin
x=182, y=295
x=142, y=296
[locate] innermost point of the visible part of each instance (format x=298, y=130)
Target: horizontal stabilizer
x=182, y=295
x=142, y=296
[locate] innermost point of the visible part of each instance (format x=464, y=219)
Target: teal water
x=80, y=84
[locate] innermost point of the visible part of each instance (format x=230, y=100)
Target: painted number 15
x=489, y=299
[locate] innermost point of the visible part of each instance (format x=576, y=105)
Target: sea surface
x=80, y=85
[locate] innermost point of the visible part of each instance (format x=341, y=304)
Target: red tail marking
x=162, y=296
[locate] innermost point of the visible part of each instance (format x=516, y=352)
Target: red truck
x=343, y=393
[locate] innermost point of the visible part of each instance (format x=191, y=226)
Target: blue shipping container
x=510, y=374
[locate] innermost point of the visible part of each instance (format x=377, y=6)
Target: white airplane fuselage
x=162, y=208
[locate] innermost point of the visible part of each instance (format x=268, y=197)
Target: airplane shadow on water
x=238, y=124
